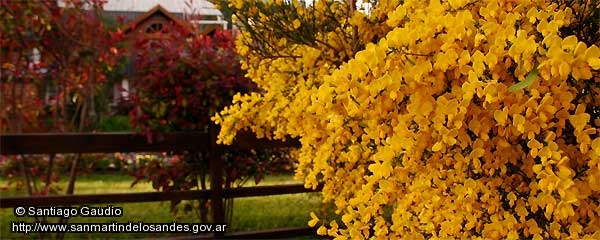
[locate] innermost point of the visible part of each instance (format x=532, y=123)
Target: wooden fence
x=52, y=143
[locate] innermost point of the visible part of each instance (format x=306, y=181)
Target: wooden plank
x=58, y=200
x=80, y=199
x=216, y=181
x=278, y=233
x=266, y=190
x=274, y=233
x=46, y=143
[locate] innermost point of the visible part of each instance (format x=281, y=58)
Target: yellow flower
x=322, y=230
x=501, y=116
x=580, y=119
x=405, y=115
x=381, y=169
x=296, y=24
x=313, y=219
x=592, y=54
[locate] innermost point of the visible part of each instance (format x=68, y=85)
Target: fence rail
x=11, y=202
x=47, y=143
x=53, y=143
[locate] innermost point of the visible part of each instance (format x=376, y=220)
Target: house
x=146, y=14
x=150, y=16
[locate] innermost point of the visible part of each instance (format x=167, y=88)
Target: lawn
x=250, y=213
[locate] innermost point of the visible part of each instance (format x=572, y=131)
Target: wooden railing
x=56, y=143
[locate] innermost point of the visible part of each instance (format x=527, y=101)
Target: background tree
x=432, y=119
x=181, y=80
x=54, y=59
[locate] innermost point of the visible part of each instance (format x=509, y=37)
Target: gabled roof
x=158, y=9
x=186, y=7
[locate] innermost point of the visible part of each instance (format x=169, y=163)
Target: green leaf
x=525, y=83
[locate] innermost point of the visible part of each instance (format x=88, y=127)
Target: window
x=154, y=28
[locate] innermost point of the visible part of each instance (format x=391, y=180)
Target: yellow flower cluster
x=464, y=121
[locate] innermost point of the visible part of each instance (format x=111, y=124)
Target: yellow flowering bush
x=431, y=119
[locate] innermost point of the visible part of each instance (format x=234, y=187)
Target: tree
x=62, y=49
x=181, y=80
x=441, y=119
x=59, y=47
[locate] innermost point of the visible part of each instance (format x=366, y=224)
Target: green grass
x=249, y=214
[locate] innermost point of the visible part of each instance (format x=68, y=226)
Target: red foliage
x=54, y=59
x=182, y=80
x=48, y=47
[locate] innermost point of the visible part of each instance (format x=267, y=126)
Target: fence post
x=216, y=179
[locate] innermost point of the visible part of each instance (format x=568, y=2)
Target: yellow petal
x=592, y=52
x=569, y=43
x=594, y=63
x=297, y=24
x=500, y=116
x=437, y=146
x=564, y=172
x=579, y=121
x=564, y=69
x=314, y=220
x=322, y=230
